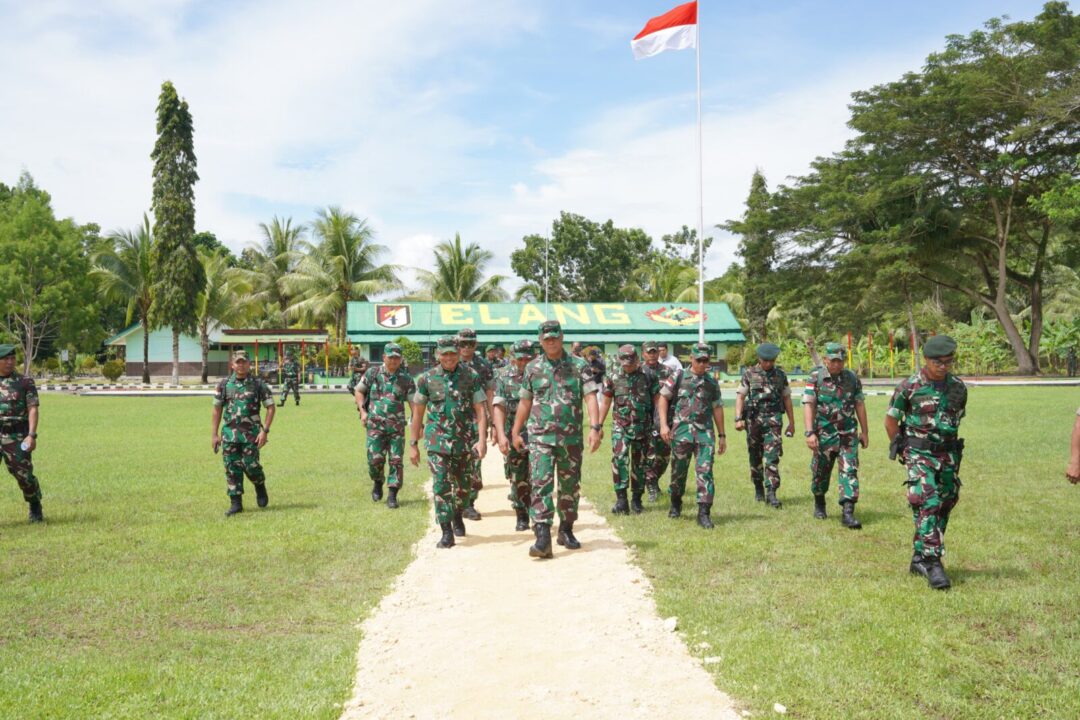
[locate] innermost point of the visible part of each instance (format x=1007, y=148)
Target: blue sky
x=430, y=117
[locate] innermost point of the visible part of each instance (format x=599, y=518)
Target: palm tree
x=274, y=257
x=225, y=299
x=459, y=275
x=340, y=267
x=124, y=275
x=663, y=280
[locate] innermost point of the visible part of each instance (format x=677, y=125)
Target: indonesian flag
x=674, y=30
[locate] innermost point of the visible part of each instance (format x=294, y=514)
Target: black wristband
x=597, y=427
x=721, y=435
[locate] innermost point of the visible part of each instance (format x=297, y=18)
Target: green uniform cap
x=834, y=351
x=703, y=351
x=391, y=349
x=939, y=346
x=446, y=344
x=7, y=350
x=767, y=351
x=466, y=335
x=240, y=355
x=524, y=349
x=550, y=329
x=649, y=346
x=627, y=353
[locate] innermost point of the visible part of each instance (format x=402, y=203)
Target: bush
x=734, y=358
x=52, y=364
x=88, y=363
x=112, y=370
x=410, y=351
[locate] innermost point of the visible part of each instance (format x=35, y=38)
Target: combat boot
x=376, y=491
x=566, y=536
x=471, y=513
x=620, y=507
x=542, y=547
x=848, y=519
x=703, y=519
x=36, y=515
x=676, y=506
x=391, y=500
x=522, y=519
x=447, y=539
x=770, y=497
x=459, y=524
x=819, y=507
x=918, y=566
x=935, y=573
x=261, y=498
x=654, y=491
x=236, y=507
x=759, y=490
x=635, y=503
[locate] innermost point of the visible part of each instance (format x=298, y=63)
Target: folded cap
x=446, y=344
x=391, y=349
x=939, y=346
x=701, y=351
x=524, y=349
x=834, y=351
x=767, y=351
x=627, y=353
x=550, y=329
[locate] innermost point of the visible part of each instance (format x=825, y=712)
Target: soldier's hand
x=414, y=455
x=519, y=442
x=363, y=417
x=790, y=432
x=1073, y=473
x=721, y=446
x=215, y=442
x=480, y=448
x=665, y=433
x=740, y=425
x=261, y=438
x=864, y=439
x=31, y=443
x=594, y=440
x=812, y=443
x=504, y=445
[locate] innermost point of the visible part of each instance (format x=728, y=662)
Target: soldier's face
x=938, y=368
x=652, y=357
x=835, y=365
x=699, y=366
x=392, y=363
x=467, y=348
x=7, y=365
x=766, y=364
x=449, y=361
x=630, y=366
x=240, y=367
x=553, y=346
x=520, y=363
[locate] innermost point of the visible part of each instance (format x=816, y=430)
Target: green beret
x=834, y=351
x=767, y=351
x=7, y=350
x=939, y=346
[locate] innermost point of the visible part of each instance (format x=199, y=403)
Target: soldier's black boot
x=635, y=503
x=770, y=497
x=391, y=500
x=654, y=491
x=703, y=519
x=917, y=567
x=261, y=498
x=566, y=536
x=759, y=490
x=36, y=515
x=376, y=491
x=470, y=512
x=522, y=519
x=542, y=547
x=447, y=539
x=819, y=507
x=620, y=507
x=935, y=573
x=848, y=518
x=676, y=506
x=459, y=524
x=237, y=505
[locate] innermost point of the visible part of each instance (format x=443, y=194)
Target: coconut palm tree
x=663, y=280
x=225, y=299
x=123, y=273
x=459, y=275
x=275, y=256
x=342, y=265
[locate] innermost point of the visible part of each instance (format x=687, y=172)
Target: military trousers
x=516, y=465
x=386, y=448
x=764, y=443
x=702, y=447
x=290, y=385
x=449, y=483
x=933, y=489
x=548, y=464
x=476, y=480
x=657, y=455
x=241, y=459
x=628, y=461
x=21, y=466
x=844, y=448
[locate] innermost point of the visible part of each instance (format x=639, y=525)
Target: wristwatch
x=808, y=433
x=597, y=427
x=33, y=435
x=414, y=443
x=266, y=431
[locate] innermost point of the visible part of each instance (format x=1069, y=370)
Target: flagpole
x=701, y=192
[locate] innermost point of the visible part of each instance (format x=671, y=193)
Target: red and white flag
x=674, y=30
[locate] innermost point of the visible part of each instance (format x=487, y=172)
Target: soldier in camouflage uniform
x=381, y=396
x=467, y=347
x=504, y=410
x=832, y=401
x=763, y=398
x=357, y=367
x=658, y=450
x=633, y=393
x=238, y=398
x=452, y=396
x=698, y=407
x=18, y=429
x=924, y=419
x=554, y=386
x=290, y=379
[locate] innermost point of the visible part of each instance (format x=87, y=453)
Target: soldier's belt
x=928, y=445
x=14, y=425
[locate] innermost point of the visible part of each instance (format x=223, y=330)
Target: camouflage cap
x=240, y=355
x=550, y=329
x=627, y=353
x=701, y=351
x=649, y=346
x=7, y=350
x=524, y=349
x=939, y=346
x=391, y=349
x=466, y=335
x=767, y=351
x=834, y=351
x=446, y=344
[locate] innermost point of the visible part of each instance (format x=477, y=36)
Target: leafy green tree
x=268, y=263
x=207, y=241
x=124, y=273
x=410, y=350
x=683, y=245
x=758, y=250
x=177, y=270
x=459, y=275
x=666, y=279
x=225, y=299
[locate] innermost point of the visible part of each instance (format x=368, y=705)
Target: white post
x=547, y=244
x=701, y=192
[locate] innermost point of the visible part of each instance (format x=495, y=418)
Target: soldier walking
x=357, y=367
x=658, y=450
x=452, y=397
x=290, y=378
x=239, y=398
x=381, y=396
x=633, y=393
x=923, y=422
x=467, y=348
x=764, y=396
x=552, y=391
x=504, y=409
x=18, y=429
x=698, y=406
x=832, y=401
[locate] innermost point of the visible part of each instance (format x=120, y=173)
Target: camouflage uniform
x=240, y=400
x=836, y=427
x=516, y=463
x=386, y=395
x=449, y=433
x=632, y=397
x=657, y=450
x=290, y=380
x=930, y=414
x=765, y=393
x=17, y=395
x=357, y=367
x=694, y=398
x=487, y=381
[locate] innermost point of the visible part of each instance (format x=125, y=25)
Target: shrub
x=88, y=363
x=112, y=370
x=410, y=351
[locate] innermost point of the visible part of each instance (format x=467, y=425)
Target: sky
x=434, y=117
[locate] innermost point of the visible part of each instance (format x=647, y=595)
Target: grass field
x=827, y=621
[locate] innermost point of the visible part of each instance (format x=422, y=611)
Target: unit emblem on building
x=674, y=315
x=392, y=316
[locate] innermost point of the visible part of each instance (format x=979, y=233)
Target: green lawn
x=827, y=621
x=139, y=599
